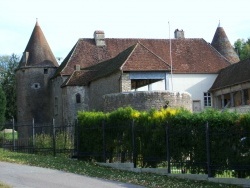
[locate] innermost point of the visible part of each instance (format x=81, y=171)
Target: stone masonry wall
x=145, y=100
x=33, y=97
x=71, y=107
x=103, y=86
x=125, y=83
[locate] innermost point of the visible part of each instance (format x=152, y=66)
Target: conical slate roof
x=39, y=53
x=221, y=43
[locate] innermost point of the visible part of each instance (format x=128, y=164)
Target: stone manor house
x=105, y=73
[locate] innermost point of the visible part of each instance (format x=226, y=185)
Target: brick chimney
x=77, y=67
x=99, y=37
x=179, y=34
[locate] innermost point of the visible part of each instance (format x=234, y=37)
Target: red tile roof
x=188, y=55
x=127, y=60
x=143, y=59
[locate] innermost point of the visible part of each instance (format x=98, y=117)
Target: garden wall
x=146, y=100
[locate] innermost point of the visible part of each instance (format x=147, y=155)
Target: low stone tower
x=221, y=43
x=35, y=69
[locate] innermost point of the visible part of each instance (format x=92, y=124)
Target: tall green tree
x=8, y=64
x=243, y=48
x=2, y=107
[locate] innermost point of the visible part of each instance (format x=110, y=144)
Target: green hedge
x=229, y=135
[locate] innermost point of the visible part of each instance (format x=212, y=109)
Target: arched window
x=78, y=98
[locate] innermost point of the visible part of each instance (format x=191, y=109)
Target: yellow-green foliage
x=90, y=118
x=161, y=116
x=43, y=141
x=126, y=114
x=229, y=134
x=120, y=115
x=62, y=140
x=8, y=136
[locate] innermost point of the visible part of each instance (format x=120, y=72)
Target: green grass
x=8, y=136
x=94, y=170
x=2, y=185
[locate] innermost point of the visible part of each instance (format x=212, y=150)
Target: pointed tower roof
x=221, y=43
x=37, y=52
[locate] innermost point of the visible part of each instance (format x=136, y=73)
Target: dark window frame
x=207, y=99
x=78, y=98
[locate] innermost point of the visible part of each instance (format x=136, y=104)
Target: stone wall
x=103, y=86
x=33, y=96
x=125, y=82
x=70, y=105
x=56, y=101
x=240, y=109
x=145, y=100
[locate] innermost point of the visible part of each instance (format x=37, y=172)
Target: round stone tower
x=33, y=74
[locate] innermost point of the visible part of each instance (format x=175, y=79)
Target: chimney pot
x=77, y=67
x=179, y=34
x=99, y=37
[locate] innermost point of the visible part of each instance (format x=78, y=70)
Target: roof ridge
x=110, y=62
x=67, y=61
x=68, y=79
x=134, y=47
x=154, y=54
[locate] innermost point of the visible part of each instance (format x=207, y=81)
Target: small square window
x=35, y=86
x=45, y=71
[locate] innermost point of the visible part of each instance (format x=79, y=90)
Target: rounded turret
x=35, y=69
x=221, y=43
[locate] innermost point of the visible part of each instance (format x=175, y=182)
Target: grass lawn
x=94, y=170
x=2, y=185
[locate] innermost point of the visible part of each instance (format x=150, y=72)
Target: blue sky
x=65, y=21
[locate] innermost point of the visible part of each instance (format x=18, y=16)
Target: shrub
x=229, y=137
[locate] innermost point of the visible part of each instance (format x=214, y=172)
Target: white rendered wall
x=195, y=84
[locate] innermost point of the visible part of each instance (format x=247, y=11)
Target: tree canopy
x=242, y=48
x=8, y=64
x=2, y=106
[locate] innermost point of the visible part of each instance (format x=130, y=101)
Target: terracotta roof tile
x=188, y=55
x=127, y=60
x=143, y=59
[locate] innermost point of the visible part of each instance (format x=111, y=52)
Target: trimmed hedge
x=229, y=138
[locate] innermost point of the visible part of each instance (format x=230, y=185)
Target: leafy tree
x=2, y=106
x=243, y=48
x=8, y=64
